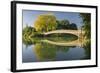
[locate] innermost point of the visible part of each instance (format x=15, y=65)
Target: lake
x=54, y=49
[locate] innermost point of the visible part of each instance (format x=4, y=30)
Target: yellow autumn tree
x=45, y=23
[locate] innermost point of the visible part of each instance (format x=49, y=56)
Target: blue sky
x=29, y=17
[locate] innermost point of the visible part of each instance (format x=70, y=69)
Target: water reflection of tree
x=47, y=52
x=44, y=52
x=87, y=50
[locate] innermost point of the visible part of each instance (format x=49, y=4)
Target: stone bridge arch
x=74, y=32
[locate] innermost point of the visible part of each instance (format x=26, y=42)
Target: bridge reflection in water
x=72, y=43
x=48, y=50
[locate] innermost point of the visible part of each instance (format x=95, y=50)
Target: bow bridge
x=74, y=32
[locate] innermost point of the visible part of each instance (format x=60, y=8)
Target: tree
x=65, y=24
x=62, y=24
x=45, y=22
x=87, y=24
x=27, y=32
x=72, y=26
x=58, y=24
x=45, y=53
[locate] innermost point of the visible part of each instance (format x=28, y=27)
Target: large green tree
x=87, y=24
x=72, y=26
x=65, y=24
x=62, y=24
x=45, y=22
x=27, y=32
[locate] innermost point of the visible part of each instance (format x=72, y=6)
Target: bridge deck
x=75, y=32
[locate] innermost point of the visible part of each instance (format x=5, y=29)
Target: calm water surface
x=43, y=51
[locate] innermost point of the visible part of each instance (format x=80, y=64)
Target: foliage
x=27, y=33
x=62, y=24
x=47, y=52
x=37, y=34
x=58, y=24
x=87, y=24
x=65, y=24
x=45, y=23
x=73, y=26
x=87, y=28
x=28, y=30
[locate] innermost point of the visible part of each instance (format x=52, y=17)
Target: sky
x=29, y=17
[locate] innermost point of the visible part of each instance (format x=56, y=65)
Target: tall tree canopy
x=65, y=24
x=45, y=22
x=28, y=30
x=73, y=26
x=62, y=24
x=87, y=24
